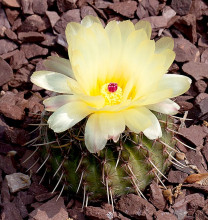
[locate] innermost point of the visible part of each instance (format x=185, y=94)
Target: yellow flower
x=116, y=75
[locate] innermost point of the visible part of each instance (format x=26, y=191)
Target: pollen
x=112, y=93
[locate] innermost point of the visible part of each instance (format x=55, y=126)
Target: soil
x=30, y=31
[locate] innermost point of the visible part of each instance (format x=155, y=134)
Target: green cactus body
x=120, y=168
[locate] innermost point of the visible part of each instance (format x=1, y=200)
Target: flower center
x=112, y=93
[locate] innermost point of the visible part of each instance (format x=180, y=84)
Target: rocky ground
x=31, y=30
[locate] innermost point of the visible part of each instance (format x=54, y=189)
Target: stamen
x=112, y=93
x=112, y=87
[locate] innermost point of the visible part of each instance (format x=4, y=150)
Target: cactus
x=124, y=167
x=112, y=133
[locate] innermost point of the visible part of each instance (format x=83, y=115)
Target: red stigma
x=112, y=87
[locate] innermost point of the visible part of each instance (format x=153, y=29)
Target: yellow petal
x=95, y=139
x=52, y=81
x=137, y=119
x=177, y=83
x=163, y=44
x=145, y=25
x=126, y=27
x=53, y=103
x=59, y=65
x=72, y=29
x=89, y=20
x=67, y=116
x=154, y=131
x=166, y=107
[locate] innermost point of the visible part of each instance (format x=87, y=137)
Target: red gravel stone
x=18, y=60
x=69, y=16
x=53, y=208
x=11, y=15
x=204, y=56
x=156, y=196
x=11, y=35
x=27, y=6
x=127, y=8
x=135, y=207
x=6, y=46
x=3, y=19
x=65, y=5
x=40, y=7
x=87, y=10
x=53, y=17
x=13, y=105
x=182, y=7
x=159, y=215
x=6, y=72
x=176, y=176
x=31, y=37
x=33, y=50
x=196, y=70
x=11, y=3
x=185, y=51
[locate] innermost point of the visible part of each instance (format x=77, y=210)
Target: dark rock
x=187, y=26
x=6, y=73
x=53, y=17
x=195, y=158
x=27, y=6
x=18, y=60
x=3, y=127
x=200, y=215
x=181, y=7
x=201, y=86
x=69, y=16
x=21, y=206
x=11, y=3
x=44, y=196
x=204, y=56
x=50, y=40
x=17, y=24
x=156, y=196
x=185, y=51
x=157, y=21
x=196, y=70
x=11, y=15
x=21, y=76
x=37, y=189
x=203, y=42
x=13, y=105
x=5, y=195
x=205, y=208
x=159, y=215
x=3, y=19
x=17, y=135
x=141, y=11
x=205, y=151
x=40, y=6
x=6, y=164
x=10, y=211
x=135, y=207
x=6, y=46
x=176, y=176
x=185, y=106
x=199, y=8
x=201, y=97
x=25, y=197
x=2, y=31
x=34, y=23
x=51, y=209
x=31, y=37
x=33, y=50
x=197, y=187
x=87, y=10
x=27, y=163
x=34, y=104
x=76, y=214
x=11, y=35
x=127, y=8
x=65, y=5
x=192, y=201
